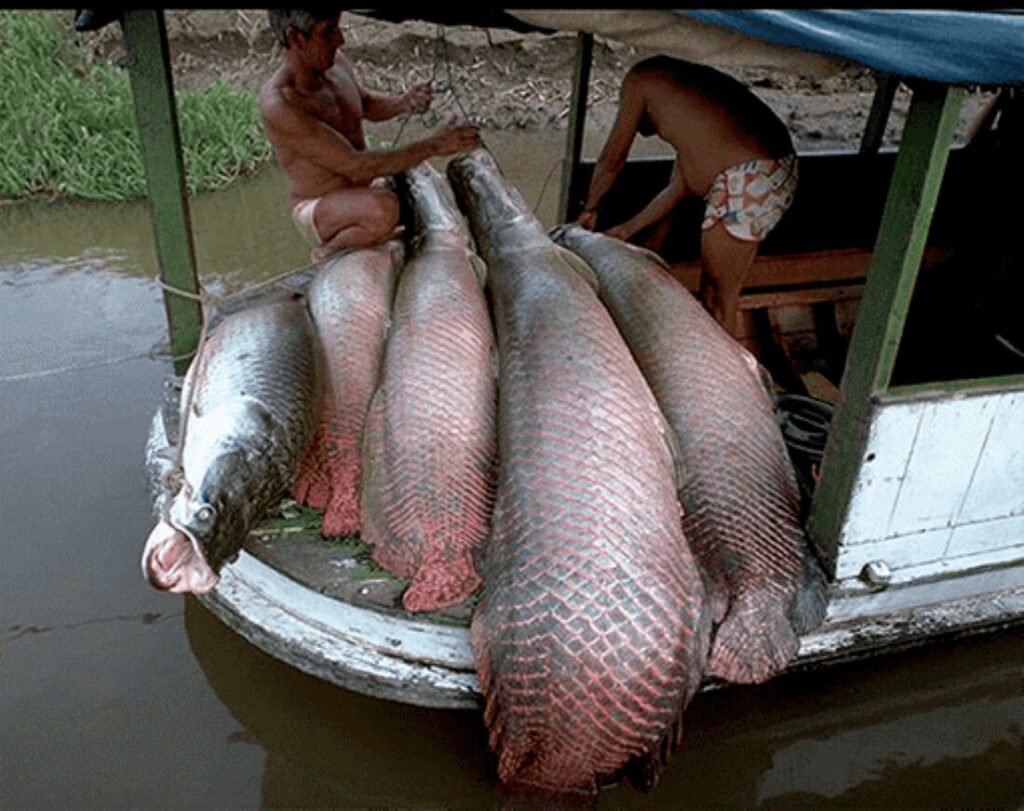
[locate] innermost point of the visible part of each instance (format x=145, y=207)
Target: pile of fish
x=555, y=423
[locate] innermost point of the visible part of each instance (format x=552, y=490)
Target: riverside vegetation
x=68, y=124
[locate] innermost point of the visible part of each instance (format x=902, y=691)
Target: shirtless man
x=731, y=150
x=313, y=110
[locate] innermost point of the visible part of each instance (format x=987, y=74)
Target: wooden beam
x=913, y=191
x=149, y=68
x=577, y=119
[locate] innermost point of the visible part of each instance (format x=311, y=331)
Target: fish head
x=491, y=204
x=572, y=236
x=206, y=523
x=217, y=511
x=171, y=561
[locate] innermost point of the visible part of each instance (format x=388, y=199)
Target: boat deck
x=323, y=606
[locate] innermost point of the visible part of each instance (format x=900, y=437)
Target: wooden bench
x=797, y=279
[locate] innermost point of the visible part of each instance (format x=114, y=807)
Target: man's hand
x=461, y=138
x=418, y=98
x=587, y=219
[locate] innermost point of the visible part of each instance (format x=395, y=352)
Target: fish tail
x=810, y=601
x=754, y=642
x=341, y=516
x=439, y=585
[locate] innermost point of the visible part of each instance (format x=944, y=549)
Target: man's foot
x=321, y=252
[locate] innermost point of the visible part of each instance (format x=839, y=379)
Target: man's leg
x=354, y=218
x=725, y=263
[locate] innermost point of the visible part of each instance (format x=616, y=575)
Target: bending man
x=313, y=110
x=731, y=149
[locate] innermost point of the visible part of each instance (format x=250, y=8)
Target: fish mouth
x=172, y=561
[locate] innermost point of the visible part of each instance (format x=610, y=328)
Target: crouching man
x=313, y=109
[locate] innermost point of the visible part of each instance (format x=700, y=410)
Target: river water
x=115, y=696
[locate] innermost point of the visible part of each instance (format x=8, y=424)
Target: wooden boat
x=919, y=507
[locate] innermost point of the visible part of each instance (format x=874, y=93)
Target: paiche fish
x=350, y=300
x=739, y=493
x=590, y=635
x=247, y=409
x=429, y=454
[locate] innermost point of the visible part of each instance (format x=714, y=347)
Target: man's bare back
x=711, y=120
x=731, y=149
x=313, y=109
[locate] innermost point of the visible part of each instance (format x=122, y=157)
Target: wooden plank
x=153, y=93
x=801, y=296
x=950, y=439
x=988, y=538
x=919, y=168
x=997, y=481
x=893, y=435
x=577, y=120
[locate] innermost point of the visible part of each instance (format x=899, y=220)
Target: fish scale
x=350, y=300
x=251, y=395
x=739, y=491
x=590, y=637
x=428, y=488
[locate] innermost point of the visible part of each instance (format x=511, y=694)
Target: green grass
x=68, y=128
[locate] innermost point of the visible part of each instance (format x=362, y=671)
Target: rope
x=205, y=299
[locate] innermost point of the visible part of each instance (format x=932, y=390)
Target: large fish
x=246, y=422
x=739, y=491
x=350, y=300
x=428, y=481
x=590, y=637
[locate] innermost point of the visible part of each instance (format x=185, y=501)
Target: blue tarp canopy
x=954, y=47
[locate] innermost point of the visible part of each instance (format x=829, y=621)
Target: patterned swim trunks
x=302, y=214
x=751, y=197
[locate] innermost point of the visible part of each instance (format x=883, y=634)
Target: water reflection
x=915, y=729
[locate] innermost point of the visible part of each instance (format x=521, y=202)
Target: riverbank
x=504, y=79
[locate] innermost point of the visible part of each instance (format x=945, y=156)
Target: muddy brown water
x=115, y=696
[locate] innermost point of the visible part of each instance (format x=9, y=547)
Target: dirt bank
x=503, y=79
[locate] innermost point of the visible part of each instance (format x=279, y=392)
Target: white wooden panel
x=998, y=485
x=942, y=464
x=932, y=467
x=892, y=436
x=984, y=536
x=899, y=552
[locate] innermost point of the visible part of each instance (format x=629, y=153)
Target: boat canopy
x=951, y=47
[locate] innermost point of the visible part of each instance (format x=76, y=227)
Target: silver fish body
x=590, y=635
x=248, y=404
x=429, y=451
x=739, y=492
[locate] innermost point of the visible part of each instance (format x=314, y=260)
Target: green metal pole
x=913, y=191
x=153, y=91
x=577, y=118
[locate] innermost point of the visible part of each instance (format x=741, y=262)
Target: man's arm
x=661, y=206
x=616, y=149
x=324, y=146
x=382, y=107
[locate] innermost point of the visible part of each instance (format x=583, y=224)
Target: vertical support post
x=913, y=192
x=874, y=132
x=577, y=119
x=149, y=69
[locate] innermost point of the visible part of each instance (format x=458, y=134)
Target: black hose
x=804, y=422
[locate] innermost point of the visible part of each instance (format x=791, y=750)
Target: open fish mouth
x=172, y=561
